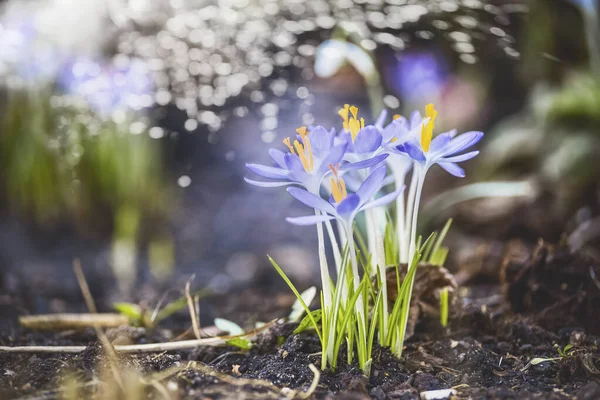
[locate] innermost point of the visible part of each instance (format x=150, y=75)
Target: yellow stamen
x=354, y=127
x=427, y=130
x=301, y=131
x=288, y=143
x=354, y=111
x=305, y=153
x=343, y=112
x=338, y=186
x=394, y=139
x=397, y=116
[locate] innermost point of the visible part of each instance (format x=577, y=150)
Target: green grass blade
x=297, y=294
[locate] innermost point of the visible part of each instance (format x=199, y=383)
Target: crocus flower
x=307, y=161
x=342, y=205
x=442, y=150
x=306, y=164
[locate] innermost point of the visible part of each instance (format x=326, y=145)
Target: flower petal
x=370, y=162
x=441, y=140
x=414, y=151
x=453, y=169
x=383, y=200
x=460, y=158
x=397, y=128
x=268, y=184
x=321, y=140
x=309, y=220
x=460, y=143
x=293, y=163
x=278, y=156
x=381, y=119
x=371, y=185
x=311, y=200
x=348, y=205
x=415, y=119
x=268, y=172
x=367, y=140
x=334, y=157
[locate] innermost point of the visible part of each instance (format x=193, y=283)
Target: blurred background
x=125, y=126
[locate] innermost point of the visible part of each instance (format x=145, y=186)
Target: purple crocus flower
x=341, y=205
x=442, y=150
x=307, y=162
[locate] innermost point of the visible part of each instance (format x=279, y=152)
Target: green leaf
x=242, y=343
x=444, y=307
x=130, y=310
x=291, y=286
x=228, y=326
x=297, y=310
x=306, y=322
x=539, y=360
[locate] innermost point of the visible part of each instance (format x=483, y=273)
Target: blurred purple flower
x=418, y=75
x=122, y=85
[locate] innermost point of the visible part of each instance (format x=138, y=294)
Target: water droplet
x=184, y=181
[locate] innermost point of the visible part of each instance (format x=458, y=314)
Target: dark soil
x=549, y=301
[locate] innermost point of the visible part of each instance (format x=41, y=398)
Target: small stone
x=437, y=394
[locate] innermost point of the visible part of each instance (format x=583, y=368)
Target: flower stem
x=400, y=218
x=415, y=211
x=325, y=278
x=409, y=214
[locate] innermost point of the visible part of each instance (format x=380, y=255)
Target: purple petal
x=371, y=184
x=383, y=200
x=371, y=162
x=453, y=169
x=320, y=139
x=381, y=119
x=278, y=156
x=460, y=158
x=441, y=140
x=309, y=220
x=461, y=142
x=415, y=119
x=367, y=140
x=334, y=157
x=268, y=184
x=311, y=200
x=293, y=163
x=414, y=151
x=268, y=172
x=348, y=205
x=397, y=128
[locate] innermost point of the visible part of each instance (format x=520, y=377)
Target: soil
x=544, y=300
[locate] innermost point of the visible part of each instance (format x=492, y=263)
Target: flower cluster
x=342, y=173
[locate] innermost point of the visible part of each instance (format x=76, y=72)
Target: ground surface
x=547, y=298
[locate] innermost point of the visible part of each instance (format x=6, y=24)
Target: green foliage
x=228, y=326
x=241, y=343
x=306, y=322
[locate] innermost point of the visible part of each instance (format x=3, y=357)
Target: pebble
x=437, y=394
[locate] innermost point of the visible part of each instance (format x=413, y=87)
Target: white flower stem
x=342, y=233
x=400, y=217
x=420, y=173
x=335, y=247
x=409, y=214
x=325, y=278
x=360, y=308
x=327, y=300
x=338, y=259
x=415, y=211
